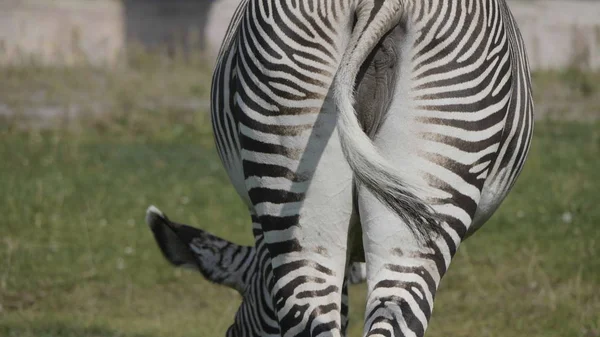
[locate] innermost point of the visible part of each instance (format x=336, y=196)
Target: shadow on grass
x=60, y=329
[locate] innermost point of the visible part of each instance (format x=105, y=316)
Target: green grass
x=571, y=94
x=76, y=258
x=137, y=100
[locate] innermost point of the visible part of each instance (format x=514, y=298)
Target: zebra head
x=218, y=260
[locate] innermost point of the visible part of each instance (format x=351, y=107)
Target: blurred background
x=104, y=110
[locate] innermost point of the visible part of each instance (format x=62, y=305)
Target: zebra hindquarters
x=404, y=271
x=298, y=181
x=304, y=208
x=448, y=127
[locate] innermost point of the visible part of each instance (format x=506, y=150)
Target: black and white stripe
x=243, y=268
x=415, y=171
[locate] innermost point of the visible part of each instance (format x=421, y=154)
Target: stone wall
x=61, y=31
x=560, y=34
x=170, y=24
x=218, y=21
x=557, y=33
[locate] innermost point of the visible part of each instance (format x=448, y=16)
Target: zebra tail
x=387, y=183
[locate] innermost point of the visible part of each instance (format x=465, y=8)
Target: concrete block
x=61, y=31
x=560, y=34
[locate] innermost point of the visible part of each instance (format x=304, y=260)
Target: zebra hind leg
x=403, y=272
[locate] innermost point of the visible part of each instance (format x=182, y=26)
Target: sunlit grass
x=76, y=258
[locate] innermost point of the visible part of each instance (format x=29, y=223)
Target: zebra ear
x=173, y=247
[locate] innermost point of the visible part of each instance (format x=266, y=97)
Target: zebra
x=217, y=259
x=220, y=261
x=383, y=131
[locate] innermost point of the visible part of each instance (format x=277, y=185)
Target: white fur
x=361, y=153
x=388, y=183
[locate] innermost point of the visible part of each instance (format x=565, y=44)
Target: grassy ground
x=567, y=95
x=76, y=258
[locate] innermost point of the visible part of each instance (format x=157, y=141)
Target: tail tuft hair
x=387, y=183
